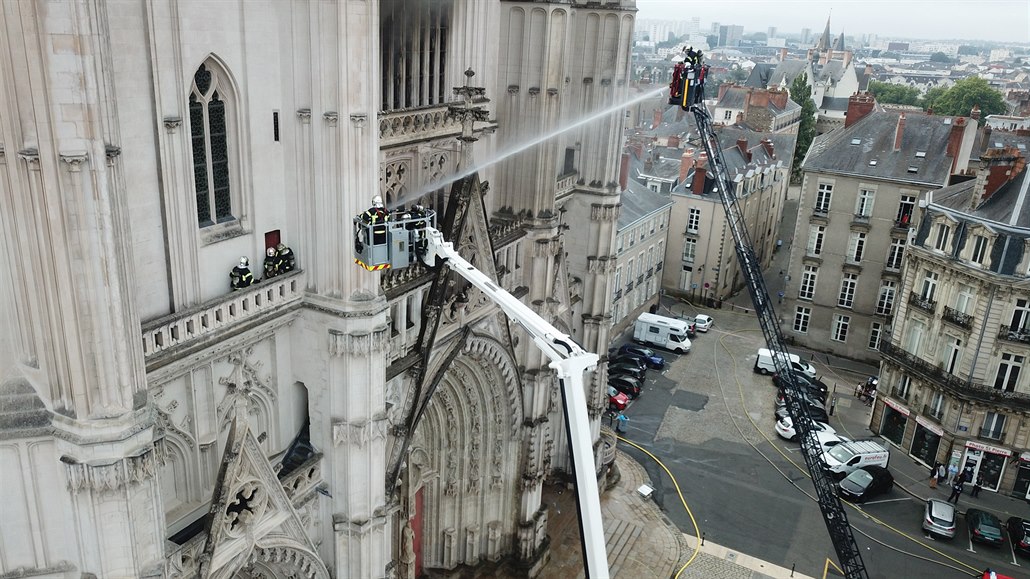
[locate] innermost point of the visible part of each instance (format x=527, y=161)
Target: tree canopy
x=801, y=93
x=940, y=57
x=886, y=92
x=960, y=99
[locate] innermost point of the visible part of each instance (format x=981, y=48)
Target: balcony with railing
x=618, y=295
x=992, y=434
x=640, y=279
x=1014, y=334
x=423, y=123
x=650, y=272
x=659, y=266
x=966, y=389
x=859, y=219
x=263, y=299
x=820, y=211
x=922, y=303
x=933, y=414
x=902, y=224
x=958, y=318
x=564, y=184
x=900, y=393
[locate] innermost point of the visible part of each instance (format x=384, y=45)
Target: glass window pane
x=219, y=159
x=200, y=162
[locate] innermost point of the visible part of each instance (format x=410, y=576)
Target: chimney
x=638, y=148
x=686, y=164
x=673, y=141
x=958, y=128
x=783, y=54
x=769, y=148
x=899, y=132
x=779, y=98
x=697, y=186
x=859, y=105
x=975, y=113
x=657, y=119
x=997, y=167
x=740, y=119
x=756, y=98
x=624, y=172
x=742, y=145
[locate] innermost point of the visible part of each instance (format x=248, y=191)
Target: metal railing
x=922, y=303
x=935, y=415
x=958, y=318
x=1014, y=334
x=991, y=434
x=899, y=393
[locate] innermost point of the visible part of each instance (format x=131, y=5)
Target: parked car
x=806, y=397
x=703, y=322
x=818, y=414
x=691, y=328
x=828, y=440
x=864, y=483
x=1019, y=532
x=988, y=574
x=805, y=383
x=626, y=385
x=617, y=400
x=785, y=428
x=984, y=527
x=939, y=518
x=633, y=359
x=627, y=369
x=653, y=360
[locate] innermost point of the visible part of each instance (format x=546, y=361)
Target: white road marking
x=889, y=501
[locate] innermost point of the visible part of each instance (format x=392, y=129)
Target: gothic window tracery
x=212, y=109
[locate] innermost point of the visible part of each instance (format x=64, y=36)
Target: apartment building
x=643, y=227
x=858, y=194
x=953, y=382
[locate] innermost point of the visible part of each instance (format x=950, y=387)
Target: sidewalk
x=642, y=542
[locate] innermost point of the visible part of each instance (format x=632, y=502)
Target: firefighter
x=240, y=276
x=272, y=263
x=287, y=259
x=377, y=216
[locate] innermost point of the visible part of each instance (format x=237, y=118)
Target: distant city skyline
x=994, y=20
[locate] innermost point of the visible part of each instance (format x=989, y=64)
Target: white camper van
x=764, y=364
x=668, y=333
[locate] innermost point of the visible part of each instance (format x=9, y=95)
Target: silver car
x=939, y=518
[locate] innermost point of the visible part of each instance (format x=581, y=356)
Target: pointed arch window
x=212, y=106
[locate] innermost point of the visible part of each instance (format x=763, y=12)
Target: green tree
x=940, y=57
x=931, y=97
x=960, y=99
x=801, y=93
x=886, y=92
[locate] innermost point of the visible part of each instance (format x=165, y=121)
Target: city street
x=709, y=418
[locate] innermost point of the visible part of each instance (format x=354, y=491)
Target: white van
x=764, y=364
x=844, y=458
x=668, y=333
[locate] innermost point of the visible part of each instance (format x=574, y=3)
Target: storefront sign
x=929, y=426
x=1025, y=456
x=896, y=406
x=988, y=448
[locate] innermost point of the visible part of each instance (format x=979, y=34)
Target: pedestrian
x=956, y=491
x=976, y=488
x=942, y=474
x=952, y=471
x=620, y=425
x=933, y=475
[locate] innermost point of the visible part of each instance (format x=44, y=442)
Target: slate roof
x=834, y=103
x=789, y=68
x=760, y=75
x=1000, y=208
x=638, y=202
x=998, y=139
x=733, y=98
x=834, y=152
x=832, y=71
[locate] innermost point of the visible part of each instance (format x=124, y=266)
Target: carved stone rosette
x=113, y=476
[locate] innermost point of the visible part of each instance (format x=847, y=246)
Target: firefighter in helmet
x=287, y=259
x=376, y=216
x=272, y=262
x=240, y=277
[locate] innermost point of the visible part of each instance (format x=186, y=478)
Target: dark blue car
x=653, y=360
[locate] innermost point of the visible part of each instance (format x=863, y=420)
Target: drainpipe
x=983, y=330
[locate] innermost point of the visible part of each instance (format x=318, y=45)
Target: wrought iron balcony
x=618, y=295
x=921, y=302
x=899, y=393
x=958, y=318
x=1014, y=334
x=935, y=415
x=991, y=434
x=659, y=266
x=953, y=384
x=650, y=272
x=629, y=287
x=640, y=279
x=860, y=219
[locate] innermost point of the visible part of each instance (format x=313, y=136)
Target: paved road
x=709, y=418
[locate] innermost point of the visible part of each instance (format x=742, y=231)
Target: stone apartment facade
x=953, y=385
x=858, y=196
x=155, y=424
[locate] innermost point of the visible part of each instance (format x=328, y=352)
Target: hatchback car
x=805, y=383
x=627, y=369
x=939, y=518
x=617, y=400
x=1019, y=531
x=808, y=398
x=703, y=322
x=984, y=527
x=817, y=413
x=653, y=360
x=864, y=483
x=637, y=361
x=626, y=385
x=785, y=428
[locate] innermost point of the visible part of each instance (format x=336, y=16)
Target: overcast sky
x=1000, y=20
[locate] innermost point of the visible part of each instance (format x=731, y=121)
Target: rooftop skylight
x=920, y=154
x=856, y=141
x=872, y=163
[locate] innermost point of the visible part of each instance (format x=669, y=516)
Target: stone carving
x=304, y=115
x=364, y=343
x=74, y=160
x=110, y=477
x=359, y=433
x=331, y=118
x=246, y=504
x=393, y=179
x=359, y=120
x=172, y=124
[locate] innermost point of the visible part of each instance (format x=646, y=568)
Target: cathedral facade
x=324, y=420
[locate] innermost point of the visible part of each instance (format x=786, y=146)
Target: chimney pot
x=697, y=187
x=624, y=172
x=899, y=132
x=686, y=164
x=859, y=105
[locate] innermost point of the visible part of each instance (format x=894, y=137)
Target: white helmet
x=244, y=262
x=270, y=252
x=377, y=202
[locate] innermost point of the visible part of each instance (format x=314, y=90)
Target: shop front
x=1022, y=487
x=986, y=462
x=926, y=441
x=895, y=419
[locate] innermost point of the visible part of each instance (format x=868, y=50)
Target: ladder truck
x=687, y=91
x=396, y=240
